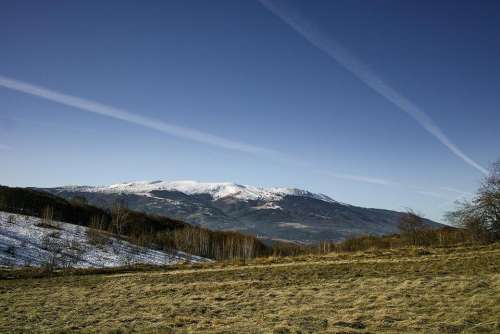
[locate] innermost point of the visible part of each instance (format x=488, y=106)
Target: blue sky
x=271, y=106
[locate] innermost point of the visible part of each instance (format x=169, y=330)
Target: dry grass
x=397, y=291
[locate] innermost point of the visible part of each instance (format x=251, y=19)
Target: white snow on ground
x=22, y=242
x=268, y=206
x=216, y=190
x=294, y=225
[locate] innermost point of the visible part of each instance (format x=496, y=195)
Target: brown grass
x=452, y=290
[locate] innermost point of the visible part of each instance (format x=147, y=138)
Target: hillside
x=140, y=228
x=270, y=213
x=25, y=240
x=442, y=290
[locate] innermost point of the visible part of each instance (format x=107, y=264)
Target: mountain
x=270, y=213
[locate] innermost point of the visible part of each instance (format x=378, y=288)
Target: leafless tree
x=120, y=217
x=48, y=217
x=481, y=216
x=97, y=222
x=95, y=231
x=412, y=228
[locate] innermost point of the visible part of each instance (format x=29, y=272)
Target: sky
x=381, y=103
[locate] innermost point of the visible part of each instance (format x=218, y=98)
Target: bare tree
x=48, y=217
x=98, y=222
x=120, y=216
x=412, y=228
x=94, y=232
x=481, y=216
x=488, y=201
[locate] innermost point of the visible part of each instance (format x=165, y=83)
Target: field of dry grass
x=452, y=290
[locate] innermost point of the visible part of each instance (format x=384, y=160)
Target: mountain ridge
x=269, y=213
x=216, y=189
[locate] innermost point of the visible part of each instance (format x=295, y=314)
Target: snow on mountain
x=272, y=213
x=24, y=241
x=216, y=190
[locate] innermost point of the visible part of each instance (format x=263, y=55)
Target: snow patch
x=23, y=241
x=294, y=225
x=268, y=206
x=217, y=190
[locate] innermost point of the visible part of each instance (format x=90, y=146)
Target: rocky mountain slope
x=270, y=213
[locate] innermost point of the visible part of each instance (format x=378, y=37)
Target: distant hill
x=270, y=213
x=32, y=202
x=140, y=228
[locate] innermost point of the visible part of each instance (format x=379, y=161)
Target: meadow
x=407, y=290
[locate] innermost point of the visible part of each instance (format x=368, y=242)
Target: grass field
x=450, y=290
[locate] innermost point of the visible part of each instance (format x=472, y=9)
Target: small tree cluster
x=216, y=245
x=120, y=217
x=413, y=229
x=48, y=217
x=95, y=231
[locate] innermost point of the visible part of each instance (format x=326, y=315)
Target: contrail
x=316, y=37
x=182, y=132
x=101, y=109
x=358, y=178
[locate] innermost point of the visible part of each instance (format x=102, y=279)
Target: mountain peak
x=270, y=213
x=217, y=190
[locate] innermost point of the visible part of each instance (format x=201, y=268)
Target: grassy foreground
x=449, y=290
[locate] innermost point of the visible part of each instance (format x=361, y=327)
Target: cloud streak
x=123, y=115
x=344, y=57
x=182, y=132
x=170, y=129
x=358, y=178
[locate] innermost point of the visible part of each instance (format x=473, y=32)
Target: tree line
x=143, y=229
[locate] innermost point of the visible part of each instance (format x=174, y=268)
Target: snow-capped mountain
x=270, y=213
x=217, y=190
